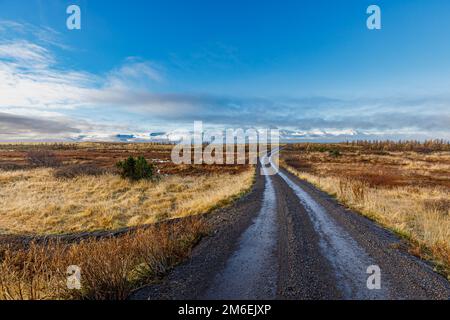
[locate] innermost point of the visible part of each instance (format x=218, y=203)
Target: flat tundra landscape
x=339, y=221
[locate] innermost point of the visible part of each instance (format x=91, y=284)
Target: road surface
x=288, y=240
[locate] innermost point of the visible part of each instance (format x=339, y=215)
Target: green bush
x=136, y=169
x=334, y=153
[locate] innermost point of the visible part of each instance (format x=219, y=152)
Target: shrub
x=10, y=167
x=136, y=169
x=43, y=158
x=73, y=171
x=335, y=153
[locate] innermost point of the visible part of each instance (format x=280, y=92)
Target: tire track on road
x=348, y=260
x=251, y=272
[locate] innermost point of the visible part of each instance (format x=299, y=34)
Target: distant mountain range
x=179, y=135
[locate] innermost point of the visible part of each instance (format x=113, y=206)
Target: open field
x=105, y=155
x=45, y=201
x=48, y=189
x=403, y=187
x=35, y=202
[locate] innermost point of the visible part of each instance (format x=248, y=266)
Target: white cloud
x=23, y=54
x=137, y=71
x=13, y=30
x=29, y=78
x=35, y=90
x=35, y=86
x=38, y=87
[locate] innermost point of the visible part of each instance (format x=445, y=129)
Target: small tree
x=335, y=153
x=136, y=169
x=127, y=168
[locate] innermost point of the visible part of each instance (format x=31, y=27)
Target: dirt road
x=288, y=240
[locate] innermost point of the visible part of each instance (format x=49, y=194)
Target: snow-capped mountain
x=318, y=134
x=178, y=135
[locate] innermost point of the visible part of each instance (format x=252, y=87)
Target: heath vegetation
x=404, y=186
x=87, y=192
x=48, y=189
x=111, y=268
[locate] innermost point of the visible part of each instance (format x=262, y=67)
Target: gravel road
x=288, y=240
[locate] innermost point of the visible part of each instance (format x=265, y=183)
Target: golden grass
x=35, y=202
x=401, y=200
x=110, y=268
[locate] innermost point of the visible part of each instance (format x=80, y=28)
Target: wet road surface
x=288, y=240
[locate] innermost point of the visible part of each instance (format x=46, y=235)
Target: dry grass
x=83, y=193
x=406, y=191
x=110, y=268
x=35, y=202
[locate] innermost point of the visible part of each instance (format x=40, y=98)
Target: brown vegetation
x=48, y=188
x=407, y=191
x=85, y=193
x=106, y=155
x=110, y=268
x=377, y=147
x=79, y=170
x=43, y=159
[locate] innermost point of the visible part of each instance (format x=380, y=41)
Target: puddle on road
x=251, y=272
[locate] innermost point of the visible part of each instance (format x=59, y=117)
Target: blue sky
x=310, y=67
